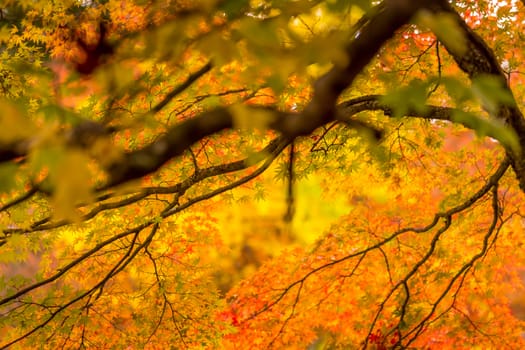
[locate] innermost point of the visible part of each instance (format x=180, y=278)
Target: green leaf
x=54, y=112
x=457, y=89
x=407, y=99
x=246, y=118
x=7, y=176
x=446, y=28
x=276, y=82
x=15, y=124
x=260, y=33
x=222, y=49
x=9, y=256
x=71, y=179
x=44, y=158
x=491, y=92
x=488, y=127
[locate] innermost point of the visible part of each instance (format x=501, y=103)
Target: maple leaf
x=275, y=174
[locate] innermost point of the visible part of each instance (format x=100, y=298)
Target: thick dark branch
x=13, y=150
x=274, y=149
x=380, y=27
x=349, y=108
x=173, y=144
x=366, y=42
x=180, y=188
x=479, y=59
x=373, y=103
x=33, y=190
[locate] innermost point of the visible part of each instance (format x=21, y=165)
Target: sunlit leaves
x=196, y=254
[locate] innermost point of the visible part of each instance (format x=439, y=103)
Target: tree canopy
x=262, y=174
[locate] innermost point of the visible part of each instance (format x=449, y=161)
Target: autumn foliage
x=225, y=174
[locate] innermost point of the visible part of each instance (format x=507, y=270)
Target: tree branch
x=479, y=59
x=349, y=108
x=380, y=27
x=270, y=151
x=187, y=83
x=366, y=42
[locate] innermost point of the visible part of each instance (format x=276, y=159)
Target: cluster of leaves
x=131, y=128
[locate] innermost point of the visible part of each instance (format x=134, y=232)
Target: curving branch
x=321, y=109
x=478, y=59
x=274, y=149
x=373, y=103
x=441, y=222
x=190, y=80
x=373, y=33
x=271, y=150
x=351, y=107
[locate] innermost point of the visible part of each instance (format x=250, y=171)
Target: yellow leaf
x=246, y=118
x=15, y=125
x=72, y=180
